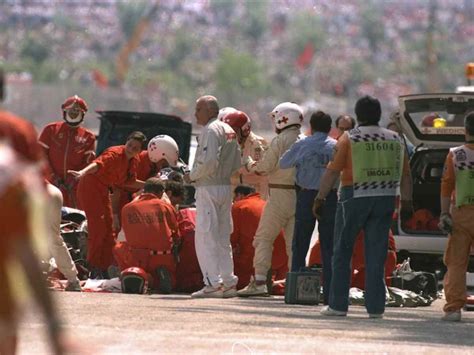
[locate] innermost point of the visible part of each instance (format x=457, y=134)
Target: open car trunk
x=115, y=126
x=426, y=168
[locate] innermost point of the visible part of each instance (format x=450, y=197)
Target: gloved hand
x=445, y=224
x=318, y=207
x=406, y=209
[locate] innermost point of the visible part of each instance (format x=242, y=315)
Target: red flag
x=100, y=78
x=305, y=58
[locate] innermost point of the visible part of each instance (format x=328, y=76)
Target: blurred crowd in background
x=251, y=54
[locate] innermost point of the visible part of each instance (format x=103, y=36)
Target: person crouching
x=151, y=231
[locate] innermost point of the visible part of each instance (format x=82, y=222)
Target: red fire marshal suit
x=93, y=197
x=246, y=215
x=151, y=227
x=67, y=148
x=145, y=170
x=188, y=272
x=23, y=138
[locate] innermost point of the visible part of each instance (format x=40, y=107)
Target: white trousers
x=212, y=237
x=278, y=214
x=57, y=247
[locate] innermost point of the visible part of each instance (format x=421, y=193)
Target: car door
x=433, y=123
x=115, y=126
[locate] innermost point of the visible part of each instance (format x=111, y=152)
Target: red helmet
x=238, y=120
x=75, y=100
x=134, y=280
x=74, y=109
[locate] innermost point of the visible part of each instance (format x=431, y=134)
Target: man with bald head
x=217, y=158
x=344, y=123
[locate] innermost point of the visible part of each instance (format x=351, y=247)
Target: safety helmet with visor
x=163, y=147
x=287, y=114
x=74, y=109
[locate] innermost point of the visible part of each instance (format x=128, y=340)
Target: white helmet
x=163, y=147
x=224, y=111
x=287, y=114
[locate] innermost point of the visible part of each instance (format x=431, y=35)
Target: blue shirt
x=309, y=156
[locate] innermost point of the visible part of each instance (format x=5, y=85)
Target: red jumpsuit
x=67, y=148
x=188, y=273
x=93, y=197
x=145, y=170
x=358, y=260
x=150, y=226
x=14, y=213
x=15, y=221
x=246, y=215
x=21, y=135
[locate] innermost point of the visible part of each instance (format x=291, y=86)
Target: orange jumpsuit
x=94, y=199
x=151, y=227
x=460, y=240
x=358, y=260
x=188, y=273
x=145, y=170
x=15, y=185
x=246, y=215
x=14, y=212
x=67, y=148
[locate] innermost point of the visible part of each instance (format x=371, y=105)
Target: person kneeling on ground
x=151, y=232
x=247, y=211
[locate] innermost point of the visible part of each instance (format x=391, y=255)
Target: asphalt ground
x=140, y=324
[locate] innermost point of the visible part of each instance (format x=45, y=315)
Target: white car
x=424, y=242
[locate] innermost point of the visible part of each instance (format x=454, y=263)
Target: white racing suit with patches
x=279, y=212
x=217, y=158
x=253, y=147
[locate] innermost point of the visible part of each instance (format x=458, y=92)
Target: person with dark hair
x=368, y=111
x=175, y=191
x=68, y=146
x=344, y=123
x=243, y=190
x=310, y=157
x=115, y=167
x=373, y=162
x=457, y=216
x=246, y=214
x=151, y=229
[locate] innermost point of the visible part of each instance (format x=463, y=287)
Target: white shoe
x=328, y=311
x=229, y=292
x=454, y=316
x=208, y=292
x=252, y=289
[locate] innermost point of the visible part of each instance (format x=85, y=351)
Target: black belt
x=281, y=186
x=299, y=188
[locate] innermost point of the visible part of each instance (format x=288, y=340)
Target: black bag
x=303, y=287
